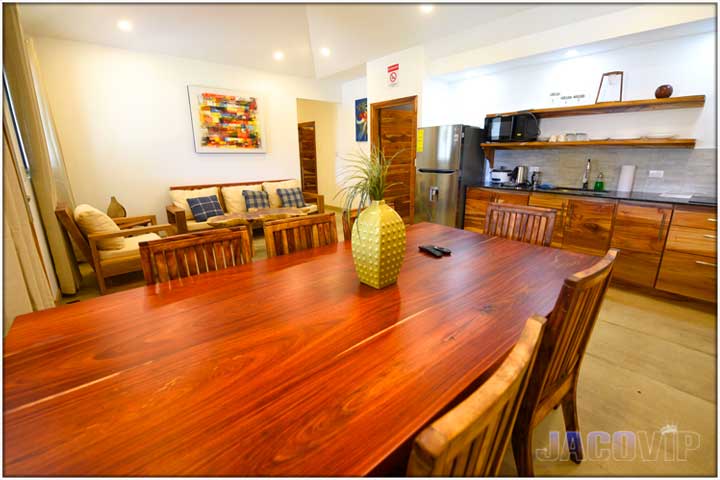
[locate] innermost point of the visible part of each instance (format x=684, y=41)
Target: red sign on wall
x=393, y=72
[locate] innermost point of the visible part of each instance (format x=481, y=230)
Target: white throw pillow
x=234, y=199
x=271, y=189
x=179, y=198
x=91, y=220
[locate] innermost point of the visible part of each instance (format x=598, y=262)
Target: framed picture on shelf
x=361, y=120
x=226, y=121
x=611, y=87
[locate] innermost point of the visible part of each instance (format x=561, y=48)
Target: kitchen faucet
x=586, y=176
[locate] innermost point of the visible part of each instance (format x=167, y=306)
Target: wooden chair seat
x=110, y=263
x=295, y=234
x=554, y=377
x=194, y=253
x=470, y=440
x=519, y=222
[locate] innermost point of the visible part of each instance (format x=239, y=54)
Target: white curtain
x=47, y=170
x=26, y=287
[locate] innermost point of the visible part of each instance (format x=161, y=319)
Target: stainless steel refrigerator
x=449, y=161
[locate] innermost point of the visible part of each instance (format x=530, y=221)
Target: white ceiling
x=247, y=34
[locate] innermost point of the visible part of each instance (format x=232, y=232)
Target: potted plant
x=378, y=235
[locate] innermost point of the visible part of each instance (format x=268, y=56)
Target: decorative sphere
x=663, y=91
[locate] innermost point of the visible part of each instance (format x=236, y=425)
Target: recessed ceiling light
x=125, y=25
x=325, y=51
x=571, y=53
x=426, y=8
x=279, y=55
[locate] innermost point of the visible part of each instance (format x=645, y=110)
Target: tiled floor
x=650, y=363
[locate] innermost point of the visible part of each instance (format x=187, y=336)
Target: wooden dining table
x=285, y=366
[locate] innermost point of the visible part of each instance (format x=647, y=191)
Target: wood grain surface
x=287, y=366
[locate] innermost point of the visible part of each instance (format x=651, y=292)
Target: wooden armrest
x=127, y=222
x=176, y=216
x=317, y=198
x=130, y=231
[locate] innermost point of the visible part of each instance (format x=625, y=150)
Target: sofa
x=231, y=199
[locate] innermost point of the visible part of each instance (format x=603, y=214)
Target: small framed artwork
x=611, y=87
x=226, y=121
x=361, y=120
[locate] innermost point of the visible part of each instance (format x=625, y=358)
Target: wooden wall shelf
x=633, y=143
x=692, y=101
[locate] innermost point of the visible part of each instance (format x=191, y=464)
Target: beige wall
x=324, y=114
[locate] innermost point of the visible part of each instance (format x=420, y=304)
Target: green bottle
x=599, y=183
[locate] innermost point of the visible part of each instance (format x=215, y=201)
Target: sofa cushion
x=194, y=226
x=234, y=199
x=256, y=199
x=291, y=197
x=179, y=198
x=131, y=247
x=91, y=220
x=271, y=189
x=205, y=207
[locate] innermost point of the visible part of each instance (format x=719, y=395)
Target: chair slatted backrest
x=194, y=253
x=67, y=220
x=300, y=233
x=569, y=328
x=519, y=222
x=470, y=440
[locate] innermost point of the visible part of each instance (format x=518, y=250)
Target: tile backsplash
x=684, y=171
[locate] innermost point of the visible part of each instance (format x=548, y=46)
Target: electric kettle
x=519, y=175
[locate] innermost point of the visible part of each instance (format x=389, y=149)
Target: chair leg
x=572, y=426
x=522, y=451
x=101, y=283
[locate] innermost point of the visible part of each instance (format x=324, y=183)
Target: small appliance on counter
x=500, y=175
x=520, y=127
x=519, y=175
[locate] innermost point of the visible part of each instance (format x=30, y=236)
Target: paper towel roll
x=627, y=175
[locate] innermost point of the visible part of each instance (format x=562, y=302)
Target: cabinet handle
x=708, y=264
x=712, y=219
x=662, y=227
x=709, y=236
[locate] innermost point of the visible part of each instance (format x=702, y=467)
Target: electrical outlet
x=656, y=173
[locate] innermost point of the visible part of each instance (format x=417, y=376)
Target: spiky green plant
x=365, y=179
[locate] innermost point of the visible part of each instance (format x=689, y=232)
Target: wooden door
x=639, y=233
x=588, y=225
x=393, y=131
x=308, y=157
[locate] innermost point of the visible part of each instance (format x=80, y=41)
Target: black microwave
x=520, y=127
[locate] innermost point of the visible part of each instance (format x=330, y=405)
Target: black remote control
x=431, y=250
x=443, y=250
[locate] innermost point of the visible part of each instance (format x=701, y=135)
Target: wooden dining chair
x=299, y=233
x=194, y=253
x=470, y=440
x=348, y=220
x=554, y=378
x=519, y=222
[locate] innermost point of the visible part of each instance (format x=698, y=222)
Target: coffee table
x=256, y=215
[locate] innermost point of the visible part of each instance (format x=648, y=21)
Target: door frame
x=375, y=129
x=302, y=177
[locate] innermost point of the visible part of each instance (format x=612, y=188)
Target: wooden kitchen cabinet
x=689, y=263
x=557, y=203
x=477, y=201
x=639, y=233
x=588, y=225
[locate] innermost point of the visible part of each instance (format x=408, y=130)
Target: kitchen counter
x=612, y=194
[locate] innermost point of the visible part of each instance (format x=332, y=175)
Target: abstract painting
x=225, y=121
x=361, y=120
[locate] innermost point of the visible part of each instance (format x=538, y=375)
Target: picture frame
x=611, y=87
x=226, y=121
x=361, y=120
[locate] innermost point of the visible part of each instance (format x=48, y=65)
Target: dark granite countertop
x=611, y=194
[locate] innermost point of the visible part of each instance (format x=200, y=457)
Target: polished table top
x=286, y=366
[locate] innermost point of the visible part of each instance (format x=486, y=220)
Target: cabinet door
x=588, y=225
x=639, y=233
x=476, y=203
x=557, y=203
x=689, y=275
x=513, y=198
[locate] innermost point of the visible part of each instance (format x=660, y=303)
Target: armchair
x=109, y=263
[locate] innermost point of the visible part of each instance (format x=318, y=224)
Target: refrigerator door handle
x=434, y=192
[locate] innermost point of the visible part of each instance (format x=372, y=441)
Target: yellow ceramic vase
x=378, y=245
